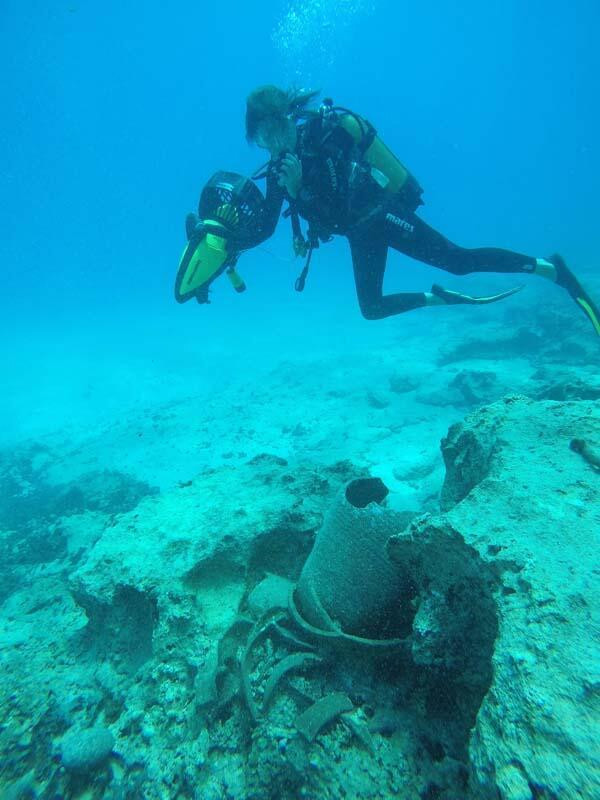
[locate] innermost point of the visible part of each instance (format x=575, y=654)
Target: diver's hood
x=229, y=204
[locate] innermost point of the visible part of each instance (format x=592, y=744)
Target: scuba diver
x=336, y=173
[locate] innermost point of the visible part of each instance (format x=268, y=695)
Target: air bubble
x=310, y=34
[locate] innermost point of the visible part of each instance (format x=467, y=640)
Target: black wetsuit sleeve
x=266, y=227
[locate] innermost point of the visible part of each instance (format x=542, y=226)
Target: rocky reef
x=162, y=651
x=531, y=507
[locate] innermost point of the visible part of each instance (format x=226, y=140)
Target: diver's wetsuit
x=400, y=228
x=339, y=196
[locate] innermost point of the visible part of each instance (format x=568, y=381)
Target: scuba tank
x=385, y=168
x=229, y=203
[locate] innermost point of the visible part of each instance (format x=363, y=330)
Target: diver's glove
x=448, y=297
x=193, y=223
x=194, y=226
x=290, y=174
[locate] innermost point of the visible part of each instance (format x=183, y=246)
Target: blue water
x=112, y=117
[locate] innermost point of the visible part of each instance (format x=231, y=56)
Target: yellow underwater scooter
x=230, y=205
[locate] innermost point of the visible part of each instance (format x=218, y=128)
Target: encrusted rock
x=534, y=519
x=85, y=749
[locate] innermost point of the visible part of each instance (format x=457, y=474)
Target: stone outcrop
x=530, y=506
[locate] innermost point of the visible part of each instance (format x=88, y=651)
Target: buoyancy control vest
x=348, y=172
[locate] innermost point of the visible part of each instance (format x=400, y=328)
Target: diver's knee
x=371, y=311
x=453, y=259
x=457, y=268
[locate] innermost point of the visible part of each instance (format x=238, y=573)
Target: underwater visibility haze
x=337, y=542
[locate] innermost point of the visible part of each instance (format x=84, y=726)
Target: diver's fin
x=568, y=281
x=453, y=298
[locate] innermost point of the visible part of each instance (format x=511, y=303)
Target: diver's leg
x=369, y=256
x=409, y=234
x=412, y=236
